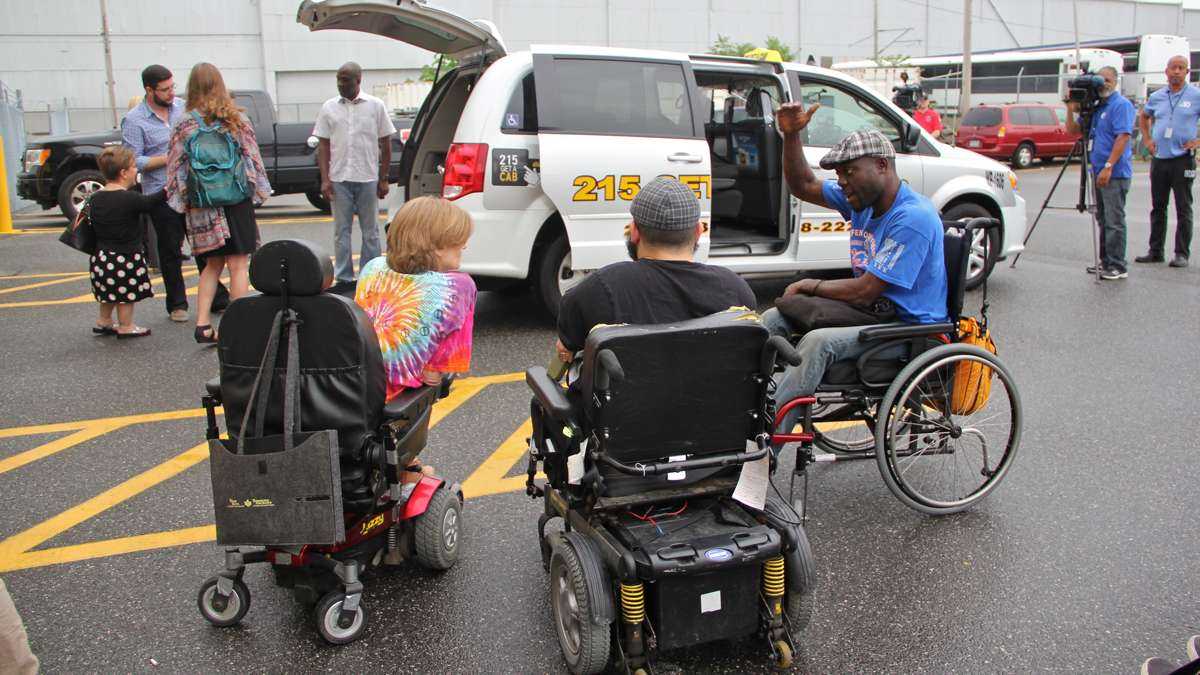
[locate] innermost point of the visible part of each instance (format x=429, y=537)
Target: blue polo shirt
x=902, y=246
x=1178, y=112
x=1113, y=118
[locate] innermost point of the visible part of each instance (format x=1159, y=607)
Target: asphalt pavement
x=1083, y=560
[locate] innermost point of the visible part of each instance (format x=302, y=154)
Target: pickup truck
x=61, y=170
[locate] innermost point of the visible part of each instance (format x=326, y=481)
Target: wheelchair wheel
x=843, y=429
x=801, y=580
x=329, y=624
x=937, y=461
x=439, y=531
x=225, y=612
x=585, y=642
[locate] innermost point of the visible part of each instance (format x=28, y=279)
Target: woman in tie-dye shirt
x=422, y=309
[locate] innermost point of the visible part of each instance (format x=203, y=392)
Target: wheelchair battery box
x=703, y=565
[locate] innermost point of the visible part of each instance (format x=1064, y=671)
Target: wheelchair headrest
x=309, y=268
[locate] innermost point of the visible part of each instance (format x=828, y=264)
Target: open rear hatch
x=415, y=23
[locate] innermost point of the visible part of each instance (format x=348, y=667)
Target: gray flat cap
x=665, y=204
x=861, y=143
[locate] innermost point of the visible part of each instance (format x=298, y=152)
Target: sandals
x=205, y=335
x=137, y=332
x=104, y=330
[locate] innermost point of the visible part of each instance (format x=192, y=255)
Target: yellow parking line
x=43, y=275
x=40, y=284
x=120, y=421
x=492, y=477
x=57, y=445
x=15, y=551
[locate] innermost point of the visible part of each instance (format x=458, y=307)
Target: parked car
x=61, y=170
x=545, y=149
x=1018, y=133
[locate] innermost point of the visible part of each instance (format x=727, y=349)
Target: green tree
x=428, y=72
x=778, y=45
x=893, y=60
x=726, y=47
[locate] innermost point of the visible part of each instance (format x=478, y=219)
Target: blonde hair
x=113, y=160
x=207, y=95
x=421, y=227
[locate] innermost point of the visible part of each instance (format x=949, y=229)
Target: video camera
x=907, y=96
x=1085, y=90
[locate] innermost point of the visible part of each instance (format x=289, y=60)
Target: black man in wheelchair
x=888, y=369
x=643, y=456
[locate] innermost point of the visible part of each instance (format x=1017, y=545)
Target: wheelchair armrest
x=892, y=332
x=213, y=388
x=410, y=403
x=551, y=396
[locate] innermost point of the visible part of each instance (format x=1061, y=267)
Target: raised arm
x=801, y=180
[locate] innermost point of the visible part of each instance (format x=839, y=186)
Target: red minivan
x=1017, y=132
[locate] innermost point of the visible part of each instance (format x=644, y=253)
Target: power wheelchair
x=328, y=377
x=896, y=404
x=642, y=457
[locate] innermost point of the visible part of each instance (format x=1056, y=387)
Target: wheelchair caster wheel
x=332, y=626
x=783, y=655
x=221, y=611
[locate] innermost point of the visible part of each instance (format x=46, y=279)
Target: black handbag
x=810, y=312
x=79, y=233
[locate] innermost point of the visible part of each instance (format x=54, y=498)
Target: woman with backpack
x=215, y=177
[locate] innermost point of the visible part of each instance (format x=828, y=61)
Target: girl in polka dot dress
x=119, y=270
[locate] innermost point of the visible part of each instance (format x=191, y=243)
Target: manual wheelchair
x=901, y=403
x=642, y=457
x=328, y=375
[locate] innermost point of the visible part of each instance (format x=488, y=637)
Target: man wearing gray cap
x=895, y=250
x=661, y=284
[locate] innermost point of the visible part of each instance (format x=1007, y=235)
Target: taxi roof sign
x=763, y=54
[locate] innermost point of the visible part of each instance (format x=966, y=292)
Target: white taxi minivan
x=545, y=149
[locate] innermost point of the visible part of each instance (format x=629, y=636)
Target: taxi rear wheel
x=555, y=276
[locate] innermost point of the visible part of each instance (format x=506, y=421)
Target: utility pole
x=875, y=33
x=964, y=94
x=108, y=69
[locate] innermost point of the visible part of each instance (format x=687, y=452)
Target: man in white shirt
x=354, y=153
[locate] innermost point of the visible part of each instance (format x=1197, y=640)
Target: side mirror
x=912, y=137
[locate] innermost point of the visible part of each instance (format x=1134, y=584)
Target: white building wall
x=51, y=49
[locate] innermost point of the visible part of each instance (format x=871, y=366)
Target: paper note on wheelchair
x=751, y=487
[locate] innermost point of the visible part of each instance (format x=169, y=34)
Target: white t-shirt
x=354, y=128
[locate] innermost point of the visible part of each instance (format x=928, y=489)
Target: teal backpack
x=217, y=173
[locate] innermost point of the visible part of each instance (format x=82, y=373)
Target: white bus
x=996, y=77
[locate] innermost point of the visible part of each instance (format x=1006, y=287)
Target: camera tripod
x=1087, y=194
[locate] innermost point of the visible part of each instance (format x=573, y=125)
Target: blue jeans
x=350, y=198
x=1110, y=214
x=818, y=350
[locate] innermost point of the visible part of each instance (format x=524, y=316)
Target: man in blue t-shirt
x=1110, y=157
x=895, y=247
x=1174, y=111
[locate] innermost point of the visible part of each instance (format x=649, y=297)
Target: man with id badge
x=1174, y=112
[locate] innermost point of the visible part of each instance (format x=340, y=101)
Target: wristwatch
x=1108, y=165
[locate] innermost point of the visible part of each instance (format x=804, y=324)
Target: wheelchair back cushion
x=956, y=249
x=342, y=381
x=690, y=388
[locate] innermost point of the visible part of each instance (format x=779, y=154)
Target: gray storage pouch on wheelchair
x=281, y=489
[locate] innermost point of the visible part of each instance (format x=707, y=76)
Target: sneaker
x=1110, y=275
x=1158, y=666
x=1193, y=647
x=179, y=315
x=1149, y=258
x=1178, y=261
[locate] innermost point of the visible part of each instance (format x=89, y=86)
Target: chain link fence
x=12, y=128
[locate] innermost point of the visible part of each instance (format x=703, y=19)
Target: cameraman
x=1110, y=158
x=1174, y=111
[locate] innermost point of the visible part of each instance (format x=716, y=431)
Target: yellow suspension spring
x=773, y=584
x=633, y=602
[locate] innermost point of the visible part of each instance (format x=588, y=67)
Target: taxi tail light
x=1000, y=132
x=465, y=165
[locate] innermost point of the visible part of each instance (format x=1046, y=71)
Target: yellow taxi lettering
x=611, y=187
x=808, y=227
x=587, y=189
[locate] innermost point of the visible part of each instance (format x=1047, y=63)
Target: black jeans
x=1169, y=176
x=169, y=230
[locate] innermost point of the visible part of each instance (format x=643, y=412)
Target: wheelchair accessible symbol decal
x=717, y=554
